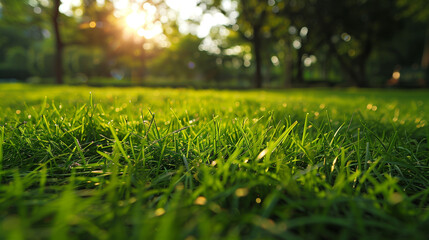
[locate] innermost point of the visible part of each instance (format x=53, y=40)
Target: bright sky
x=185, y=10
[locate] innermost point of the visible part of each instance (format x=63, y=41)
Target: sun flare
x=136, y=20
x=143, y=24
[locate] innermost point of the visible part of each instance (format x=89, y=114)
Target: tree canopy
x=251, y=43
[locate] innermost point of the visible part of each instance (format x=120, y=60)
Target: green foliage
x=417, y=9
x=144, y=163
x=16, y=64
x=184, y=60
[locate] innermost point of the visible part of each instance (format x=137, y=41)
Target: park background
x=216, y=43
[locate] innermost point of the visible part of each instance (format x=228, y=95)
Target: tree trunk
x=141, y=70
x=425, y=56
x=58, y=43
x=300, y=71
x=288, y=67
x=258, y=59
x=361, y=78
x=354, y=70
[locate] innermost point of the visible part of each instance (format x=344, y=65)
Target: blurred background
x=216, y=43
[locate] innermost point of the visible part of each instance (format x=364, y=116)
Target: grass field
x=139, y=163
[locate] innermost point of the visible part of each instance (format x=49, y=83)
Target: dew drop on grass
x=159, y=212
x=262, y=154
x=241, y=192
x=190, y=238
x=180, y=187
x=395, y=198
x=200, y=200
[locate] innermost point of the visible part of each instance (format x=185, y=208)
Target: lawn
x=141, y=163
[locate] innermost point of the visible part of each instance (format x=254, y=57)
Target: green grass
x=138, y=163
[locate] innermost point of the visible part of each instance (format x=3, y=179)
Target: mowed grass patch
x=139, y=163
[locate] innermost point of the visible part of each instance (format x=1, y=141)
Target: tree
x=419, y=11
x=17, y=34
x=293, y=29
x=36, y=13
x=349, y=29
x=252, y=25
x=59, y=46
